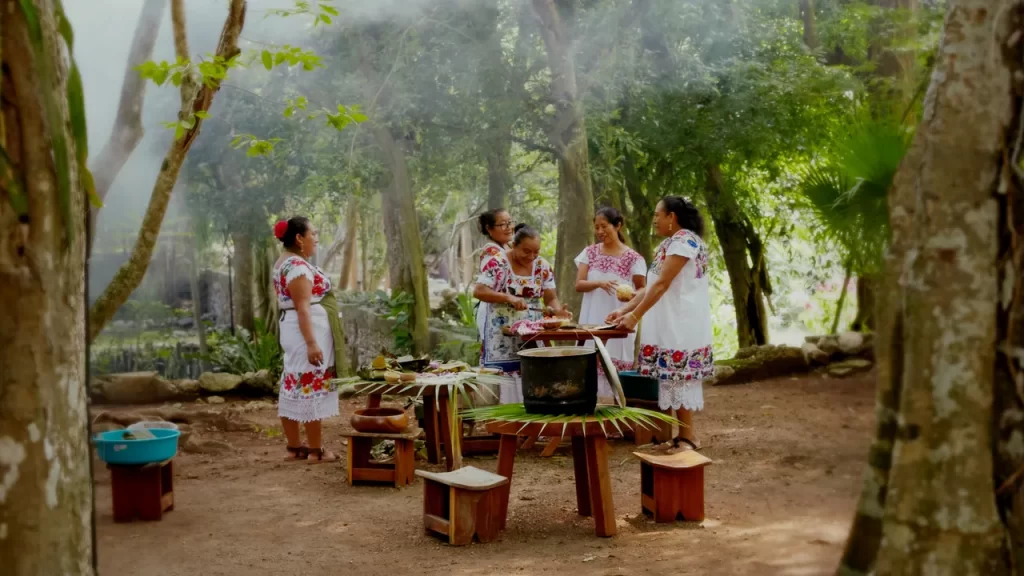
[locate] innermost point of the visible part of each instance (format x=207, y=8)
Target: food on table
x=624, y=292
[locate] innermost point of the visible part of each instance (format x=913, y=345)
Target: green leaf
x=329, y=9
x=202, y=114
x=268, y=60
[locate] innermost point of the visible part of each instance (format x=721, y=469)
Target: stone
x=219, y=382
x=187, y=387
x=101, y=427
x=814, y=355
x=186, y=433
x=261, y=382
x=214, y=400
x=122, y=419
x=829, y=345
x=137, y=388
x=850, y=342
x=723, y=372
x=849, y=367
x=766, y=363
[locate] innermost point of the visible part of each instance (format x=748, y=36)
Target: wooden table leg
x=430, y=429
x=600, y=485
x=452, y=461
x=579, y=466
x=506, y=462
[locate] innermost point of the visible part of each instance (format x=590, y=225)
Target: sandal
x=319, y=454
x=296, y=453
x=690, y=445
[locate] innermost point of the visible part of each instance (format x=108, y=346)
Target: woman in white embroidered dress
x=675, y=343
x=517, y=285
x=497, y=225
x=602, y=267
x=307, y=333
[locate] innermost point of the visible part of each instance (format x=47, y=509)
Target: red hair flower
x=280, y=228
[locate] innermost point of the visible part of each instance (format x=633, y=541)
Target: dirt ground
x=788, y=456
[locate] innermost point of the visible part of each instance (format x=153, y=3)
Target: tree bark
x=197, y=304
x=568, y=137
x=929, y=501
x=842, y=298
x=741, y=245
x=244, y=308
x=499, y=174
x=865, y=319
x=194, y=98
x=46, y=504
x=810, y=27
x=349, y=265
x=128, y=131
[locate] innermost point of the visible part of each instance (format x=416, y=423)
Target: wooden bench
x=399, y=472
x=672, y=485
x=145, y=491
x=462, y=503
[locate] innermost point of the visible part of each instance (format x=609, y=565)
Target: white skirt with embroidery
x=304, y=396
x=676, y=395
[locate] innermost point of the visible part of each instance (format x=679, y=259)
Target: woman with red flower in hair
x=311, y=338
x=675, y=343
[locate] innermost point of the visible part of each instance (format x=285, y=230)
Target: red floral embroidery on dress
x=621, y=266
x=495, y=268
x=676, y=365
x=700, y=261
x=307, y=384
x=321, y=283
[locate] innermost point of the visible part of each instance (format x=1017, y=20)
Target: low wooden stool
x=399, y=472
x=145, y=491
x=462, y=503
x=672, y=485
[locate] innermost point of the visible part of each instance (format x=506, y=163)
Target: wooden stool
x=462, y=503
x=145, y=491
x=399, y=472
x=672, y=485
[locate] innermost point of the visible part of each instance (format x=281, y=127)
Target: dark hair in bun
x=288, y=230
x=686, y=213
x=614, y=217
x=523, y=231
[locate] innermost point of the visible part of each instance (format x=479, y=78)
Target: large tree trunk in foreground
x=194, y=98
x=128, y=130
x=741, y=246
x=929, y=498
x=568, y=137
x=244, y=307
x=46, y=505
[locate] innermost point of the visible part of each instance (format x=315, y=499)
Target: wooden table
x=570, y=335
x=590, y=466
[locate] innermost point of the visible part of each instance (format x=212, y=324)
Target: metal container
x=559, y=380
x=637, y=387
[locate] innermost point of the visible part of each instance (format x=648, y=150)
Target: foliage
x=244, y=352
x=458, y=351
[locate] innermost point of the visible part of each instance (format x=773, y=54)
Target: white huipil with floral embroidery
x=598, y=304
x=304, y=396
x=676, y=337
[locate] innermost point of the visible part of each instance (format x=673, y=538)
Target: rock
x=214, y=400
x=219, y=382
x=829, y=345
x=814, y=355
x=850, y=342
x=187, y=387
x=767, y=362
x=169, y=414
x=849, y=367
x=261, y=382
x=186, y=433
x=137, y=388
x=196, y=446
x=723, y=372
x=122, y=419
x=101, y=427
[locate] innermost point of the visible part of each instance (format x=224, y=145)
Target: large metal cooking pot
x=559, y=380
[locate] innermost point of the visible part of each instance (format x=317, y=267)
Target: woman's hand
x=517, y=303
x=314, y=355
x=628, y=322
x=563, y=312
x=608, y=286
x=613, y=318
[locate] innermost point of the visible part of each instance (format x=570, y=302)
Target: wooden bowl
x=380, y=420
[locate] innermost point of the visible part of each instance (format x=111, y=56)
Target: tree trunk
x=406, y=267
x=197, y=304
x=242, y=261
x=929, y=498
x=499, y=175
x=741, y=245
x=568, y=137
x=128, y=130
x=842, y=298
x=46, y=503
x=350, y=264
x=865, y=319
x=810, y=29
x=194, y=98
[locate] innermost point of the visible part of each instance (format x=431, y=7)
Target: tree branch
x=535, y=146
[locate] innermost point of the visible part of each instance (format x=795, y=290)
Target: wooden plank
x=552, y=445
x=647, y=504
x=691, y=495
x=405, y=462
x=506, y=464
x=435, y=524
x=528, y=443
x=666, y=495
x=677, y=461
x=600, y=486
x=453, y=460
x=409, y=434
x=579, y=468
x=480, y=444
x=374, y=475
x=467, y=478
